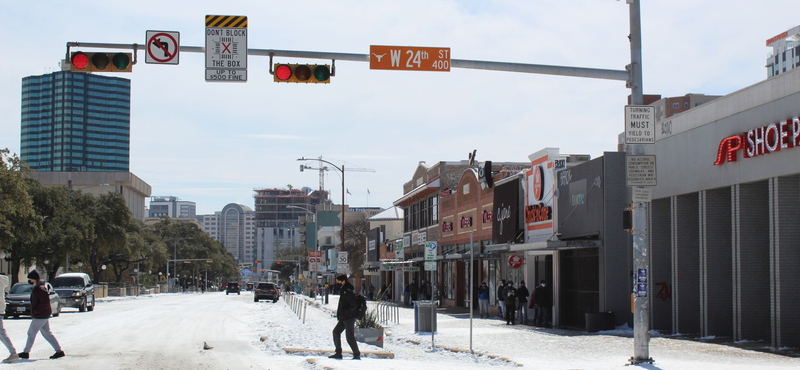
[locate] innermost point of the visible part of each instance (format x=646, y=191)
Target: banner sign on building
x=540, y=189
x=399, y=252
x=506, y=224
x=580, y=201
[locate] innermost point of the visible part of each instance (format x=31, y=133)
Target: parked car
x=249, y=287
x=266, y=291
x=233, y=287
x=75, y=289
x=18, y=300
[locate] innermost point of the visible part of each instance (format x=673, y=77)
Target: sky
x=213, y=143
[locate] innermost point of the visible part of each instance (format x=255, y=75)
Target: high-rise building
x=172, y=207
x=76, y=122
x=234, y=227
x=785, y=54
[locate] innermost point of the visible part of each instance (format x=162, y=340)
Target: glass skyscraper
x=76, y=122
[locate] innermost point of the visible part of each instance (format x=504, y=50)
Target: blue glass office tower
x=76, y=122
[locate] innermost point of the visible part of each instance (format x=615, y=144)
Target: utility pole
x=641, y=303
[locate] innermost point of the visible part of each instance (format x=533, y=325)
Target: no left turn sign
x=163, y=47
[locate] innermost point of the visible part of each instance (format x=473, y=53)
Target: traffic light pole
x=606, y=74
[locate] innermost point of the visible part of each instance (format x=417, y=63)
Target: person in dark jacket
x=501, y=297
x=413, y=289
x=40, y=317
x=346, y=314
x=511, y=302
x=522, y=299
x=543, y=301
x=423, y=291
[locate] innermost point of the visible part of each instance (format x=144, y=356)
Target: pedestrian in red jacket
x=40, y=317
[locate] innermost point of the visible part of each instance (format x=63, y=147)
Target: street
x=168, y=331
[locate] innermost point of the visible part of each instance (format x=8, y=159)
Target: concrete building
x=785, y=54
x=724, y=217
x=234, y=227
x=76, y=122
x=171, y=207
x=132, y=188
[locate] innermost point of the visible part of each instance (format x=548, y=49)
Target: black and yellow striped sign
x=226, y=21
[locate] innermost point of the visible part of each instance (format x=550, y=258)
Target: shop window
x=423, y=213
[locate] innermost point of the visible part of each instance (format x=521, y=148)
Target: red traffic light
x=283, y=72
x=302, y=73
x=80, y=60
x=100, y=62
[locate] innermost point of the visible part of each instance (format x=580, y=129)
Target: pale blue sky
x=213, y=143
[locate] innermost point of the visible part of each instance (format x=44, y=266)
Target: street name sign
x=640, y=123
x=409, y=58
x=641, y=170
x=226, y=48
x=163, y=47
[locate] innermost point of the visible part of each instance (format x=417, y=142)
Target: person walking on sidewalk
x=522, y=299
x=346, y=314
x=40, y=317
x=501, y=297
x=3, y=336
x=511, y=301
x=483, y=299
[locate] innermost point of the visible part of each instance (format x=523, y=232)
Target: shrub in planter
x=369, y=331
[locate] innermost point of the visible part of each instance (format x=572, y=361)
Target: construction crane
x=322, y=168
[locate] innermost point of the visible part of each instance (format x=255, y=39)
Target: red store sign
x=515, y=261
x=759, y=141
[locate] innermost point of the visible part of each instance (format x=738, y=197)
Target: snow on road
x=168, y=331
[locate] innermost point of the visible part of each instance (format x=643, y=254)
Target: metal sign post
x=641, y=303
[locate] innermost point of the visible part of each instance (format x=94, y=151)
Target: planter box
x=371, y=336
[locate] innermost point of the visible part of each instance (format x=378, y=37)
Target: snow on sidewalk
x=504, y=346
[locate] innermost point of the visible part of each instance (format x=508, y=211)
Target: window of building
x=414, y=216
x=660, y=108
x=433, y=209
x=686, y=105
x=406, y=218
x=423, y=213
x=675, y=105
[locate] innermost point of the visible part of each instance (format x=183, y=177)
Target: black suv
x=75, y=290
x=233, y=288
x=266, y=291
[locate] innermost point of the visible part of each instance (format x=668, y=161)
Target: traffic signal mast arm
x=607, y=74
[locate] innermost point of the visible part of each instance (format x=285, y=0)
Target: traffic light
x=100, y=62
x=302, y=73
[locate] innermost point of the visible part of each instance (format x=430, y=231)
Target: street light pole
x=342, y=171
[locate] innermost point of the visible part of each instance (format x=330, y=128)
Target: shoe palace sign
x=759, y=141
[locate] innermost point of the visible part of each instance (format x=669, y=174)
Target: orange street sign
x=409, y=58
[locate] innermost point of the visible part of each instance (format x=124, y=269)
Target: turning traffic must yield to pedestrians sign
x=163, y=47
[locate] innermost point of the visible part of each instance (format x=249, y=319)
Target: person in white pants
x=40, y=317
x=3, y=336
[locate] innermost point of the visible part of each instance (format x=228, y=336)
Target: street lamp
x=69, y=197
x=342, y=171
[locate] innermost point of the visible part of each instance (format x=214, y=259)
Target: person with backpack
x=346, y=314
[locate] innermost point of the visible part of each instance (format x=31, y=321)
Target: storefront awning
x=421, y=190
x=556, y=245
